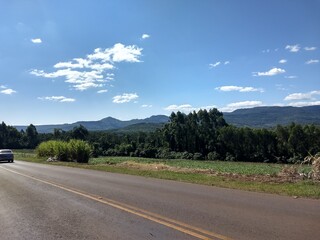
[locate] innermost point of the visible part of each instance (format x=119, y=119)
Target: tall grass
x=74, y=150
x=79, y=151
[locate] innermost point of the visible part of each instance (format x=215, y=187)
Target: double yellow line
x=171, y=223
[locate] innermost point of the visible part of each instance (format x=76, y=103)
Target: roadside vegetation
x=259, y=177
x=199, y=147
x=71, y=151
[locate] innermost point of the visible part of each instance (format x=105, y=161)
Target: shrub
x=230, y=158
x=79, y=150
x=46, y=149
x=148, y=153
x=163, y=154
x=197, y=156
x=124, y=149
x=213, y=156
x=186, y=155
x=110, y=152
x=96, y=150
x=74, y=150
x=175, y=155
x=61, y=151
x=295, y=159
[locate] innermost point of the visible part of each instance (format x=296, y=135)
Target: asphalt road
x=52, y=202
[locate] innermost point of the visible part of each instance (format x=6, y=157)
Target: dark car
x=6, y=155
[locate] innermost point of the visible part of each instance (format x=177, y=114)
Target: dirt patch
x=264, y=178
x=284, y=177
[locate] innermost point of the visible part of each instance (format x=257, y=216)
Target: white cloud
x=293, y=48
x=216, y=64
x=181, y=108
x=213, y=65
x=7, y=91
x=312, y=61
x=118, y=53
x=145, y=36
x=291, y=77
x=146, y=106
x=297, y=96
x=304, y=104
x=121, y=53
x=92, y=71
x=239, y=89
x=101, y=67
x=76, y=63
x=1, y=86
x=124, y=98
x=186, y=108
x=282, y=61
x=302, y=96
x=86, y=85
x=102, y=91
x=80, y=80
x=36, y=40
x=245, y=104
x=310, y=48
x=57, y=99
x=109, y=76
x=271, y=72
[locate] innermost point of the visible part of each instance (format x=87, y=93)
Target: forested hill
x=259, y=117
x=108, y=123
x=266, y=117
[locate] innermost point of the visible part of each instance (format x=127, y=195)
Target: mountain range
x=104, y=124
x=258, y=117
x=267, y=117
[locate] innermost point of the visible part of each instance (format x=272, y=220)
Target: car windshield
x=5, y=151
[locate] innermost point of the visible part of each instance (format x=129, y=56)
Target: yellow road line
x=171, y=223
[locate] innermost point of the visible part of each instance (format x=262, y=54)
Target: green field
x=259, y=177
x=218, y=166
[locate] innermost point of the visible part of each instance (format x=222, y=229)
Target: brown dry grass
x=288, y=174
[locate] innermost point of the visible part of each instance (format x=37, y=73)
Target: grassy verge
x=225, y=170
x=219, y=166
x=27, y=155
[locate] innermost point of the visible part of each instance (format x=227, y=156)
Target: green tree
x=297, y=141
x=32, y=136
x=3, y=135
x=79, y=132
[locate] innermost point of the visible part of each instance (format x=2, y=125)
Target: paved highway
x=52, y=202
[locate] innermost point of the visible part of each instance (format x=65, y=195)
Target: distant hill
x=139, y=127
x=266, y=117
x=258, y=117
x=104, y=124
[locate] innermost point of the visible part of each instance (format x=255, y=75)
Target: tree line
x=202, y=135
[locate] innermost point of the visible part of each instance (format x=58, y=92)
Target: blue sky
x=65, y=61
